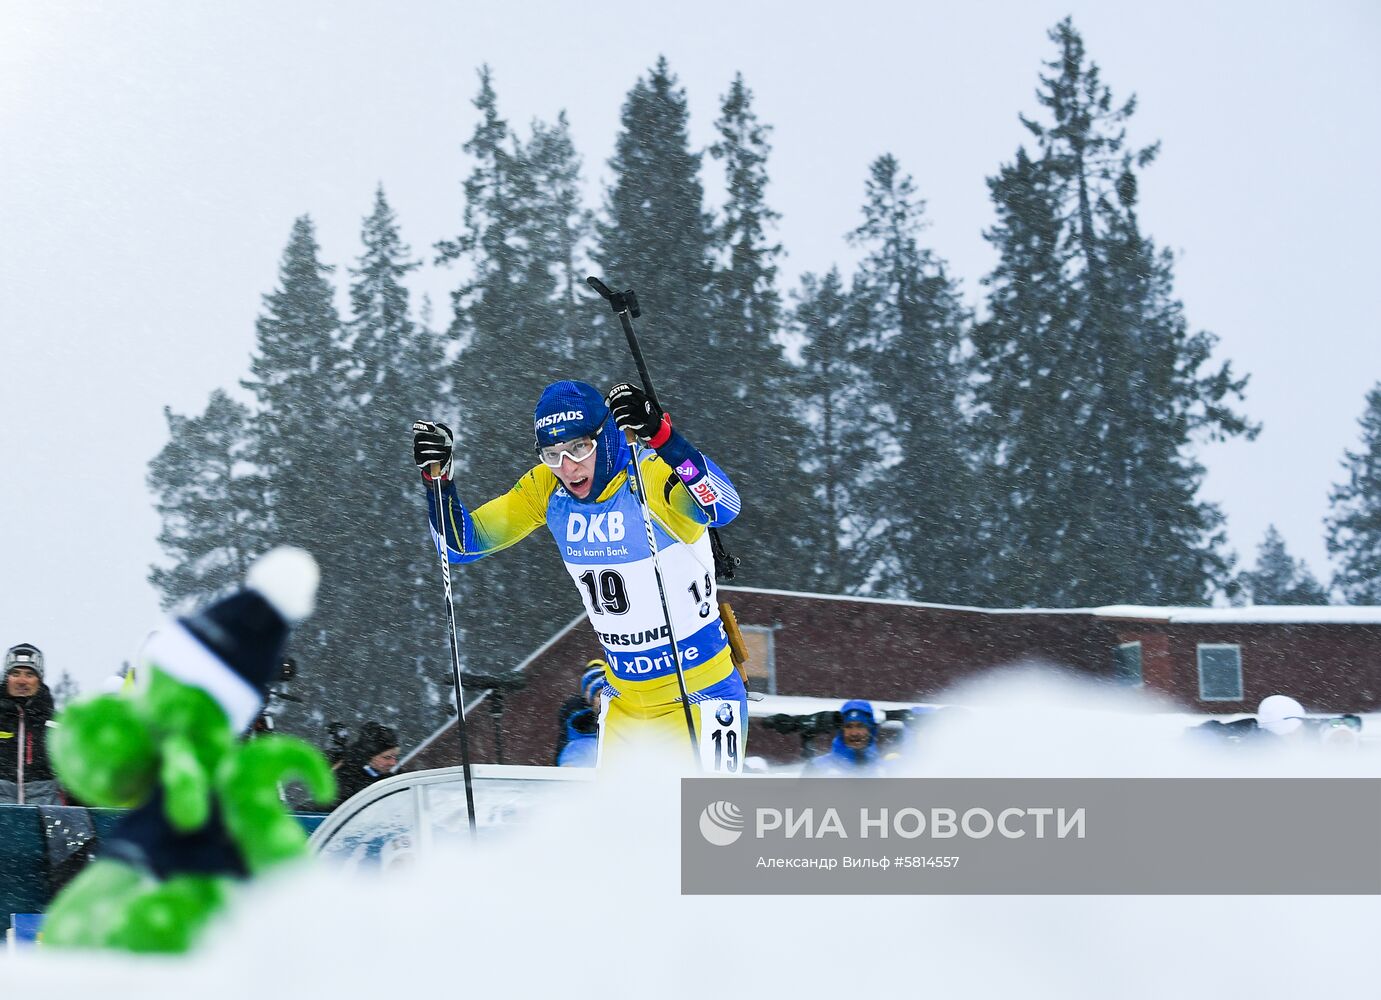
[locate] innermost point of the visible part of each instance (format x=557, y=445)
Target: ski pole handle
x=625, y=304
x=620, y=302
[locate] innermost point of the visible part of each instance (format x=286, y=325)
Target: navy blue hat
x=859, y=710
x=247, y=633
x=568, y=410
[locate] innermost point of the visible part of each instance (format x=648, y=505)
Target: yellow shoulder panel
x=510, y=518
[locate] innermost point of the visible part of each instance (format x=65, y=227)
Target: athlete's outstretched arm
x=495, y=525
x=709, y=496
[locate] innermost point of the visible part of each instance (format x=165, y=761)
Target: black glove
x=633, y=411
x=432, y=445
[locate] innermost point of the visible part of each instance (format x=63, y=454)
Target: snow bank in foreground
x=587, y=903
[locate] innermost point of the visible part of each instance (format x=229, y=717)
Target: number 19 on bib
x=721, y=737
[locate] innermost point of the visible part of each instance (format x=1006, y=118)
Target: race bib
x=720, y=726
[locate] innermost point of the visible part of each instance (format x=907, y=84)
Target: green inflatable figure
x=205, y=809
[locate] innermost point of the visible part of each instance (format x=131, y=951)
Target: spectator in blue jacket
x=580, y=735
x=855, y=747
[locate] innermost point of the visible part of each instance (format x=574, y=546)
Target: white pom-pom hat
x=1280, y=714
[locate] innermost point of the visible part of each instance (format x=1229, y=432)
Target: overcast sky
x=155, y=154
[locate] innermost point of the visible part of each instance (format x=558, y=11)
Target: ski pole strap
x=663, y=434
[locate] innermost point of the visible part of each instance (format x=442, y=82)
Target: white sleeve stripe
x=727, y=495
x=732, y=505
x=721, y=487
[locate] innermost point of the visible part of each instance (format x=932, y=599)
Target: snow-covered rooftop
x=729, y=588
x=1254, y=615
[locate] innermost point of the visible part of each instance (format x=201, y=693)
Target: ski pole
x=623, y=303
x=455, y=656
x=636, y=463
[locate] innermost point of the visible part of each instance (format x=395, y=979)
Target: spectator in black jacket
x=26, y=707
x=372, y=756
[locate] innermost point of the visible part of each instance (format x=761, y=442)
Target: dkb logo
x=594, y=528
x=721, y=823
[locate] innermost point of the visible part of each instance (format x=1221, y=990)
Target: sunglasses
x=577, y=451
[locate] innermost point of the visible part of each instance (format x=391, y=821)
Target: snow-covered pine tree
x=920, y=503
x=1354, y=519
x=1024, y=352
x=759, y=438
x=386, y=674
x=1278, y=577
x=209, y=504
x=655, y=236
x=65, y=690
x=516, y=326
x=301, y=446
x=556, y=228
x=1091, y=387
x=834, y=392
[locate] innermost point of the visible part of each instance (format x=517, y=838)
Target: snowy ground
x=587, y=903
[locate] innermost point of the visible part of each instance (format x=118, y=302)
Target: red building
x=1211, y=660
